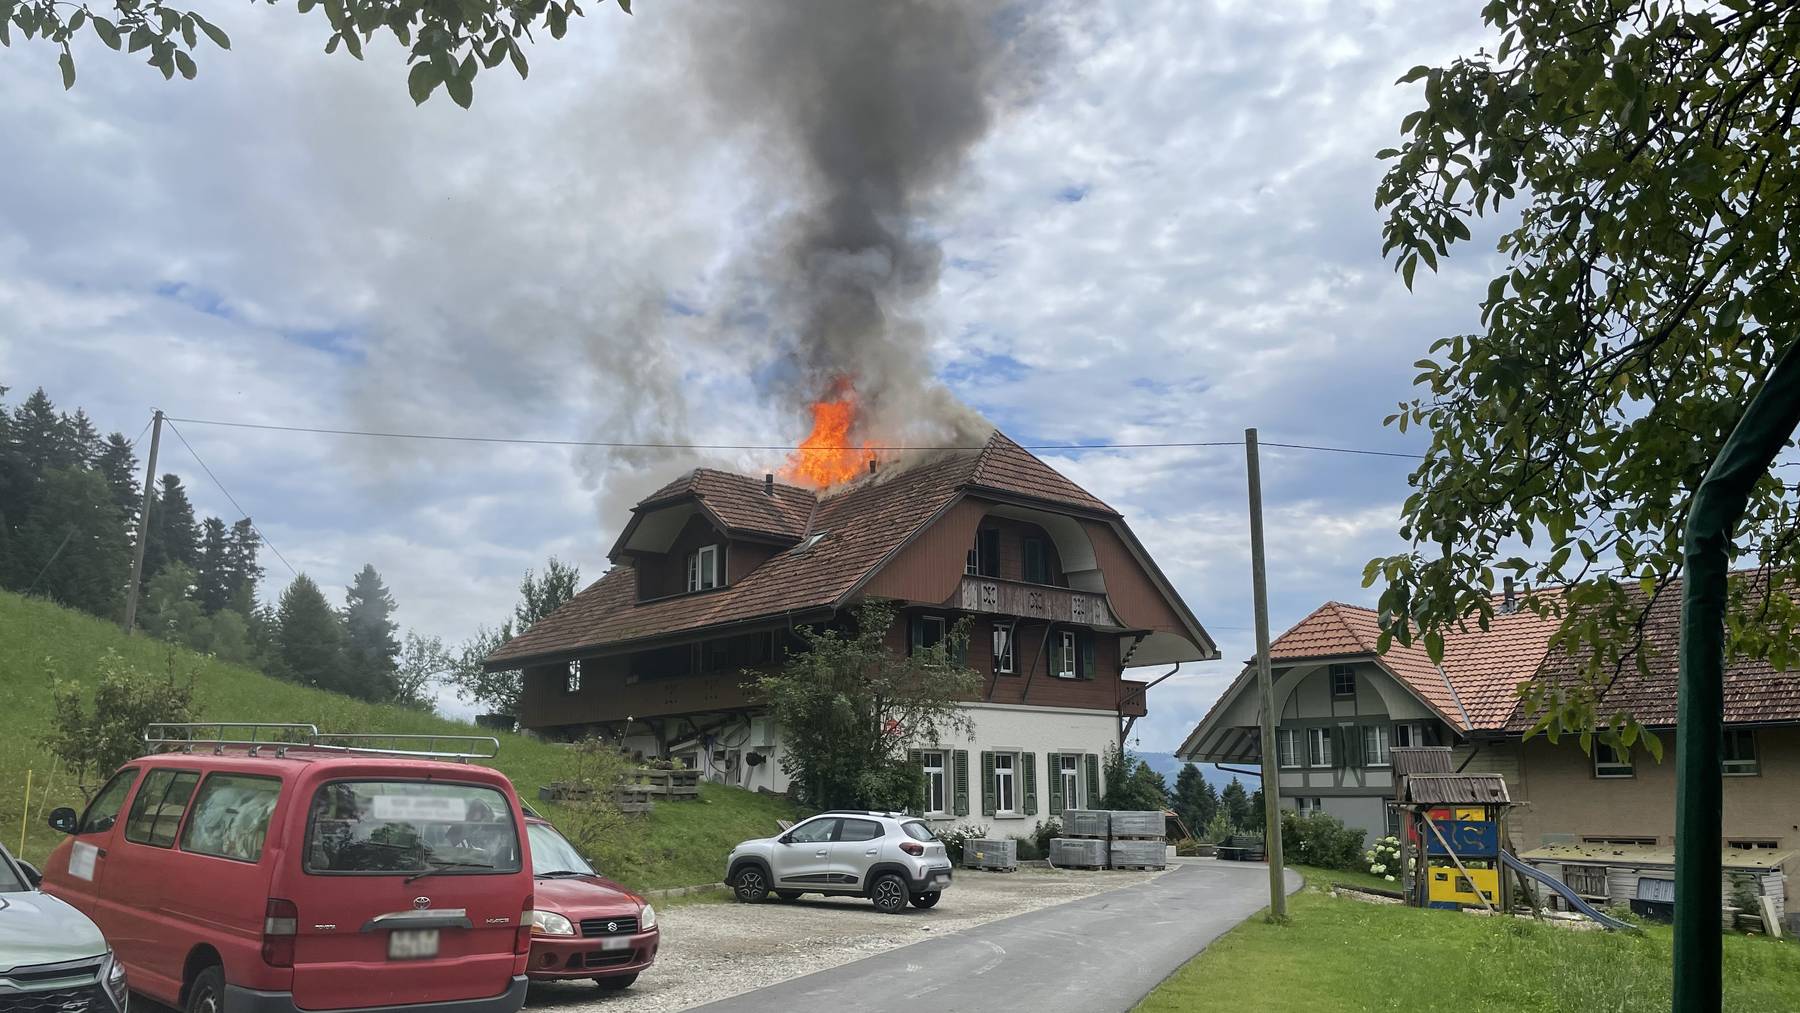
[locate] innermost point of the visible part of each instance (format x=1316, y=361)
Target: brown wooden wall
x=664, y=575
x=1031, y=656
x=1134, y=595
x=930, y=568
x=606, y=695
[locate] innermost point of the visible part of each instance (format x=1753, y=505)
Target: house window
x=1610, y=762
x=1287, y=747
x=928, y=631
x=1409, y=735
x=1740, y=752
x=703, y=568
x=1645, y=842
x=1003, y=650
x=1760, y=844
x=1065, y=655
x=936, y=800
x=1036, y=562
x=1318, y=747
x=1005, y=800
x=1343, y=680
x=572, y=677
x=1375, y=745
x=1308, y=806
x=1586, y=880
x=984, y=556
x=1069, y=771
x=972, y=566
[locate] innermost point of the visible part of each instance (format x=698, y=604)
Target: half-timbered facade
x=714, y=572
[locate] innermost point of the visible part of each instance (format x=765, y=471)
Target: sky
x=1170, y=236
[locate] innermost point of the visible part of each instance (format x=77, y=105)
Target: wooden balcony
x=1134, y=700
x=1035, y=601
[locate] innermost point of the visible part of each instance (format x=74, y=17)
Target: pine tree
x=1259, y=816
x=83, y=440
x=118, y=465
x=213, y=576
x=244, y=572
x=72, y=547
x=42, y=436
x=1235, y=802
x=174, y=537
x=1194, y=799
x=370, y=646
x=309, y=638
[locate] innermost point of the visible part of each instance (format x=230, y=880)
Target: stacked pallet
x=1000, y=855
x=1137, y=840
x=1085, y=836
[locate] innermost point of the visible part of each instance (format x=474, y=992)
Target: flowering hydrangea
x=1385, y=855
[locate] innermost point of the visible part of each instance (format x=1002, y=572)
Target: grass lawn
x=680, y=844
x=1338, y=954
x=1316, y=876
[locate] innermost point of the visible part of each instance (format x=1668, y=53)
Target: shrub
x=1041, y=837
x=1321, y=839
x=1384, y=859
x=955, y=837
x=92, y=744
x=1219, y=829
x=1188, y=847
x=1029, y=850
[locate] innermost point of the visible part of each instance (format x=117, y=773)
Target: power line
x=134, y=440
x=784, y=448
x=245, y=514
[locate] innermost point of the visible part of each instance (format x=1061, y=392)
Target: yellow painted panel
x=1447, y=883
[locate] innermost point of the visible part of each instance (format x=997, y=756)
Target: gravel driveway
x=711, y=951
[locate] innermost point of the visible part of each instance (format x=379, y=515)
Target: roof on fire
x=860, y=525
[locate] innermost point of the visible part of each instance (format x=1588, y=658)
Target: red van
x=234, y=874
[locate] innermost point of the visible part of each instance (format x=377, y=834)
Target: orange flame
x=827, y=457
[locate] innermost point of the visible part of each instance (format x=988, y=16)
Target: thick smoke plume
x=860, y=113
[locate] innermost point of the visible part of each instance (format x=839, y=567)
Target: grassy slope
x=677, y=845
x=1340, y=954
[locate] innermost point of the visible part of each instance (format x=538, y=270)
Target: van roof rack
x=256, y=736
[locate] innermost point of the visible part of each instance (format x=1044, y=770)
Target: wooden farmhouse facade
x=713, y=573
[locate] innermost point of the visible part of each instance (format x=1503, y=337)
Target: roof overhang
x=687, y=635
x=655, y=525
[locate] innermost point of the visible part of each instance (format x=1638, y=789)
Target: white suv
x=890, y=858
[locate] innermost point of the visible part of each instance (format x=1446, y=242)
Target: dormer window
x=704, y=568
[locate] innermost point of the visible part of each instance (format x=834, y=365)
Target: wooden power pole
x=1271, y=776
x=143, y=532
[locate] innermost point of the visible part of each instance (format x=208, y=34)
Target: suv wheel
x=889, y=894
x=207, y=993
x=616, y=983
x=927, y=899
x=788, y=894
x=752, y=887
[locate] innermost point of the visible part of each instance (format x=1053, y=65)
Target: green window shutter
x=1086, y=641
x=917, y=759
x=962, y=782
x=916, y=642
x=987, y=783
x=1053, y=767
x=1093, y=780
x=1029, y=762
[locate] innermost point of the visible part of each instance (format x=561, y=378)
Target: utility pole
x=1271, y=777
x=143, y=534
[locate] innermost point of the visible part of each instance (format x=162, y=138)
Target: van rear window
x=376, y=827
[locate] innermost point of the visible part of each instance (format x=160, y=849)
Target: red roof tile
x=742, y=502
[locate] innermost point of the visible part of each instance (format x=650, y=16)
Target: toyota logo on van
x=421, y=903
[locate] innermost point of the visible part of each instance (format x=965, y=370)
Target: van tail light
x=522, y=938
x=281, y=923
x=912, y=848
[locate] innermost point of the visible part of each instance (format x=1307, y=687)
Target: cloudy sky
x=1168, y=235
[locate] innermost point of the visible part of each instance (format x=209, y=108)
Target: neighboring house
x=713, y=573
x=1342, y=706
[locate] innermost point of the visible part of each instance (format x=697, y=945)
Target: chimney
x=1509, y=603
x=871, y=466
x=769, y=488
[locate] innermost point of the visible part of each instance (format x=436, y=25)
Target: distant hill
x=1170, y=768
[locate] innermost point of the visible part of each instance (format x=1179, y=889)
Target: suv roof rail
x=861, y=812
x=256, y=736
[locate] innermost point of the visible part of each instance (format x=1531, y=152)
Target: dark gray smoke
x=861, y=113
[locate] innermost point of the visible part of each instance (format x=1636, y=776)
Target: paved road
x=1096, y=955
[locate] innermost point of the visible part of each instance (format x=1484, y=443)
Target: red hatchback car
x=586, y=926
x=247, y=876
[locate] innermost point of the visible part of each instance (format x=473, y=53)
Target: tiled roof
x=741, y=501
x=861, y=523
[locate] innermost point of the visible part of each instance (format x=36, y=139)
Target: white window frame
x=1006, y=787
x=1318, y=746
x=703, y=568
x=1741, y=766
x=1066, y=654
x=1345, y=670
x=572, y=678
x=1412, y=731
x=972, y=564
x=937, y=781
x=1378, y=748
x=1069, y=772
x=1287, y=749
x=1003, y=649
x=1616, y=768
x=1309, y=804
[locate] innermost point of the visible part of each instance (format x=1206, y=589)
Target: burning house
x=714, y=571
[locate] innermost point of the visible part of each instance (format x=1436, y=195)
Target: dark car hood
x=586, y=896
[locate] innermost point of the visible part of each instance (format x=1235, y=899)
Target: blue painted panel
x=1470, y=840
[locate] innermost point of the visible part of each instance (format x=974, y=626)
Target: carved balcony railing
x=1036, y=601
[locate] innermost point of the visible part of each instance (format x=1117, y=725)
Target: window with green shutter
x=917, y=759
x=1053, y=763
x=987, y=783
x=1086, y=671
x=1028, y=761
x=1093, y=779
x=962, y=782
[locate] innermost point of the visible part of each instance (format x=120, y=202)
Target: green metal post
x=1767, y=425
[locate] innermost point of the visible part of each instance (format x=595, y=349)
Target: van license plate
x=412, y=944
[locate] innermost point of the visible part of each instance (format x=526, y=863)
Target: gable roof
x=860, y=525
